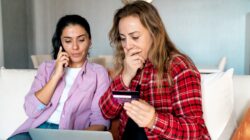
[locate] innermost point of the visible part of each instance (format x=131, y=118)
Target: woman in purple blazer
x=66, y=91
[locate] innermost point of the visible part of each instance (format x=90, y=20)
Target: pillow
x=217, y=102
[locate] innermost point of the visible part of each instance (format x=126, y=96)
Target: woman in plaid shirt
x=169, y=84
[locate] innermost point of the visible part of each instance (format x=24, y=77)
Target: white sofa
x=14, y=84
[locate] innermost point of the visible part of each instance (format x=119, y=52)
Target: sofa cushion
x=241, y=95
x=217, y=98
x=14, y=85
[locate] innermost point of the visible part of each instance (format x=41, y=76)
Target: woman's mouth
x=75, y=54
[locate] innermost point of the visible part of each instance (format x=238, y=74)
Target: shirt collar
x=84, y=67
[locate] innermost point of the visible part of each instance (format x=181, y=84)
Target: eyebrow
x=82, y=35
x=131, y=33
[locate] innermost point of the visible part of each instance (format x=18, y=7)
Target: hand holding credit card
x=126, y=96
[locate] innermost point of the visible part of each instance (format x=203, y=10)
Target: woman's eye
x=122, y=39
x=67, y=41
x=135, y=38
x=82, y=40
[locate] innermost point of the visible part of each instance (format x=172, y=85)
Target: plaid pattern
x=178, y=106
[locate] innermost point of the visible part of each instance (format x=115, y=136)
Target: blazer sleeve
x=102, y=84
x=32, y=106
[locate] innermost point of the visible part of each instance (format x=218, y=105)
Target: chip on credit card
x=126, y=96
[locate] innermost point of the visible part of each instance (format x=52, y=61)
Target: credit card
x=125, y=96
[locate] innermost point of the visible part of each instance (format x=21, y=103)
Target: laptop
x=55, y=134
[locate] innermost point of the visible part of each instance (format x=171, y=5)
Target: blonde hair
x=162, y=51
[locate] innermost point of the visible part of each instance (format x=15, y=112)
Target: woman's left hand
x=141, y=112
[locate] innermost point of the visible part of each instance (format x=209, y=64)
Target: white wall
x=205, y=30
x=247, y=50
x=1, y=38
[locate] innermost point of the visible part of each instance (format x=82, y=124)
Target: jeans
x=26, y=135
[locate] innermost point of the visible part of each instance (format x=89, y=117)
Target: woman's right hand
x=132, y=62
x=45, y=94
x=62, y=61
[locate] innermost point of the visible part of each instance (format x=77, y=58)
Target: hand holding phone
x=125, y=96
x=62, y=61
x=64, y=57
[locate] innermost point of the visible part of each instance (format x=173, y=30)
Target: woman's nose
x=75, y=45
x=127, y=44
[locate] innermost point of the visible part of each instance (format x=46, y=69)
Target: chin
x=77, y=60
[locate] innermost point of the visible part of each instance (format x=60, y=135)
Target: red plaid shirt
x=178, y=106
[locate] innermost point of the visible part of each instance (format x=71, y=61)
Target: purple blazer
x=80, y=109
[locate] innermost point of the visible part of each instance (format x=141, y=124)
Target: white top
x=70, y=75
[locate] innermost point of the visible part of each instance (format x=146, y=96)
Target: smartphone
x=62, y=51
x=125, y=96
x=60, y=44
